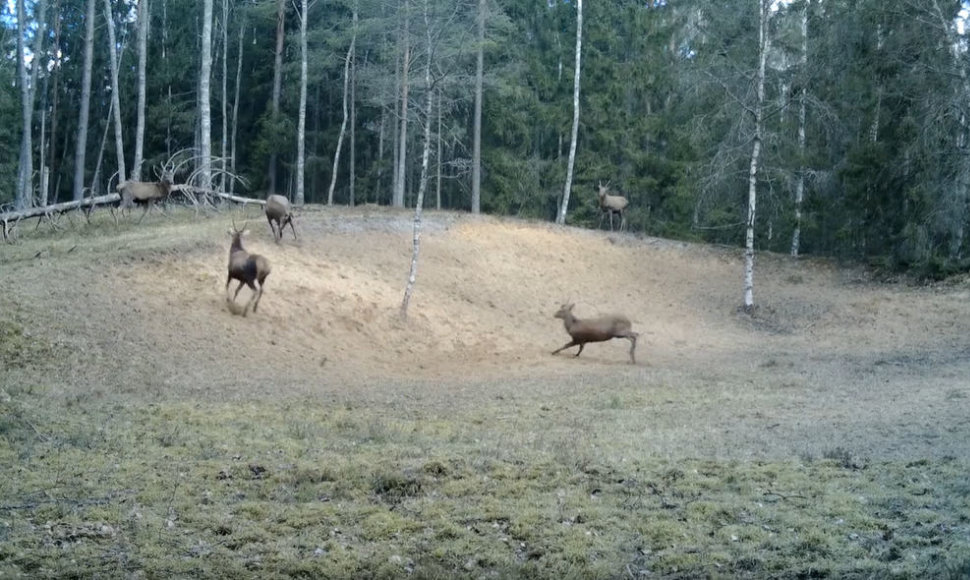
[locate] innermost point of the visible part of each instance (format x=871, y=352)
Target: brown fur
x=248, y=269
x=595, y=330
x=278, y=210
x=611, y=204
x=144, y=193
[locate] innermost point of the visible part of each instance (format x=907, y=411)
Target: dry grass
x=151, y=433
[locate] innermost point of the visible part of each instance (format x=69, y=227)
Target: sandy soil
x=826, y=342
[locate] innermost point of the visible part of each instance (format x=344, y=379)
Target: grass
x=113, y=472
x=110, y=487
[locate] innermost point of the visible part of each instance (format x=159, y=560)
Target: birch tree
x=343, y=122
x=800, y=183
x=301, y=124
x=477, y=137
x=277, y=85
x=561, y=219
x=205, y=109
x=353, y=110
x=28, y=82
x=143, y=21
x=398, y=197
x=235, y=103
x=764, y=9
x=82, y=131
x=115, y=97
x=423, y=184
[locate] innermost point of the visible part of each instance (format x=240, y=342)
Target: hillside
x=143, y=309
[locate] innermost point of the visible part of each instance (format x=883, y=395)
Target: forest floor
x=152, y=432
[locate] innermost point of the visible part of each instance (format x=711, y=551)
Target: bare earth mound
x=827, y=356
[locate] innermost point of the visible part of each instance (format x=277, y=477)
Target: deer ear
x=230, y=232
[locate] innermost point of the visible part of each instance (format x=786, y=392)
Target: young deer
x=611, y=204
x=595, y=330
x=278, y=210
x=247, y=268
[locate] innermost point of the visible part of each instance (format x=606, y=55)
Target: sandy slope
x=829, y=355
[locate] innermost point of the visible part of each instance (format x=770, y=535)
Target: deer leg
x=251, y=298
x=256, y=304
x=238, y=288
x=271, y=228
x=633, y=348
x=291, y=228
x=567, y=345
x=580, y=351
x=144, y=212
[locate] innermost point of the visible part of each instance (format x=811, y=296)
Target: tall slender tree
x=398, y=199
x=477, y=126
x=143, y=22
x=115, y=90
x=277, y=86
x=561, y=219
x=764, y=45
x=205, y=102
x=82, y=130
x=301, y=127
x=28, y=82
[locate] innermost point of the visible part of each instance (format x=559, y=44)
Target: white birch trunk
x=477, y=137
x=561, y=219
x=143, y=22
x=800, y=185
x=438, y=157
x=353, y=111
x=423, y=183
x=301, y=123
x=225, y=95
x=25, y=181
x=205, y=103
x=763, y=46
x=398, y=199
x=343, y=123
x=277, y=84
x=115, y=97
x=235, y=105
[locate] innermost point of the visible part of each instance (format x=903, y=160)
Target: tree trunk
x=398, y=200
x=800, y=184
x=423, y=182
x=353, y=111
x=25, y=175
x=143, y=23
x=277, y=84
x=205, y=109
x=301, y=124
x=56, y=74
x=477, y=125
x=225, y=96
x=343, y=123
x=764, y=8
x=380, y=156
x=235, y=104
x=438, y=158
x=572, y=144
x=115, y=97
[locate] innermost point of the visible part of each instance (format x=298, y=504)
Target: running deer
x=247, y=268
x=278, y=210
x=595, y=330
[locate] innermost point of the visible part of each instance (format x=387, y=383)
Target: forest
x=843, y=123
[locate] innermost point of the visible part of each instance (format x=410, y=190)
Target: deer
x=595, y=330
x=146, y=193
x=143, y=193
x=611, y=204
x=247, y=268
x=278, y=210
